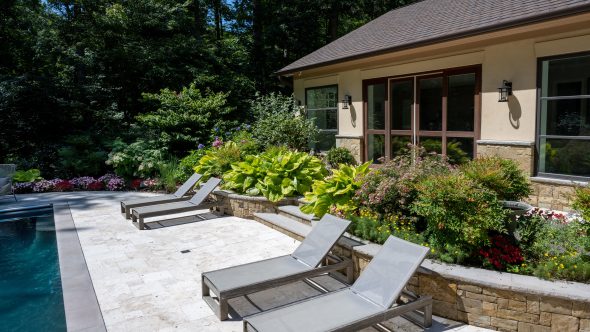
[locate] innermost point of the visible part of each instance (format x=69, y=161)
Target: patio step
x=293, y=212
x=284, y=224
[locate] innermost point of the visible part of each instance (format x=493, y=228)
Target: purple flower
x=201, y=146
x=217, y=143
x=115, y=184
x=247, y=127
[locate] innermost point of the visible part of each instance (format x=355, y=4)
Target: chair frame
x=9, y=176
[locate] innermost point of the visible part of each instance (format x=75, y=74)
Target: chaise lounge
x=6, y=173
x=197, y=202
x=303, y=263
x=372, y=299
x=179, y=195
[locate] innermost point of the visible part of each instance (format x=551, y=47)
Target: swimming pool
x=31, y=296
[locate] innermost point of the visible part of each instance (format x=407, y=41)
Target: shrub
x=335, y=191
x=500, y=175
x=169, y=175
x=582, y=202
x=246, y=142
x=112, y=182
x=371, y=227
x=23, y=187
x=390, y=189
x=501, y=253
x=458, y=211
x=82, y=154
x=140, y=158
x=30, y=175
x=63, y=185
x=280, y=122
x=275, y=175
x=337, y=156
x=187, y=164
x=218, y=160
x=82, y=183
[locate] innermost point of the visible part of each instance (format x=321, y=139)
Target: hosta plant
x=275, y=174
x=335, y=191
x=218, y=160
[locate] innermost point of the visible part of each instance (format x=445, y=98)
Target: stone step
x=293, y=212
x=283, y=224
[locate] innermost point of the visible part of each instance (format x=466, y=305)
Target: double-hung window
x=322, y=106
x=563, y=141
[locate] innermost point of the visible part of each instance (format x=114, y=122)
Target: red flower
x=64, y=185
x=135, y=184
x=97, y=185
x=501, y=253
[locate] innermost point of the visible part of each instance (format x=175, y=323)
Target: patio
x=150, y=280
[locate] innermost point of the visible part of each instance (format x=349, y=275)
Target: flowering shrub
x=95, y=186
x=135, y=184
x=582, y=202
x=45, y=185
x=23, y=188
x=64, y=185
x=501, y=254
x=82, y=183
x=503, y=176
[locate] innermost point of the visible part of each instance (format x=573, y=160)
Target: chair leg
x=428, y=315
x=13, y=195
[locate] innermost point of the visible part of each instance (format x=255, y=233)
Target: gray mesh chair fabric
x=248, y=278
x=368, y=301
x=6, y=173
x=195, y=203
x=126, y=206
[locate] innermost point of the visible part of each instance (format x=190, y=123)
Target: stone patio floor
x=144, y=283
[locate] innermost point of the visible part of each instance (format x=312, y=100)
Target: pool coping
x=80, y=303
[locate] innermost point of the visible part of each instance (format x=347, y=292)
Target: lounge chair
x=302, y=263
x=6, y=173
x=372, y=299
x=197, y=202
x=179, y=195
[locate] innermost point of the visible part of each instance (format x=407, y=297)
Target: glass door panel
x=376, y=97
x=430, y=101
x=459, y=149
x=376, y=148
x=400, y=145
x=402, y=102
x=461, y=102
x=431, y=144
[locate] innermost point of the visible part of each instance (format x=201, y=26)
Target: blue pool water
x=31, y=296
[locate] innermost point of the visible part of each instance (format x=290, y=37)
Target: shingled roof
x=432, y=21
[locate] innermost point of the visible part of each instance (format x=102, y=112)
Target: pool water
x=31, y=296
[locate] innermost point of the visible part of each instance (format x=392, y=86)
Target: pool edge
x=81, y=305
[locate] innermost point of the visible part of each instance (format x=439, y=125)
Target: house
x=464, y=78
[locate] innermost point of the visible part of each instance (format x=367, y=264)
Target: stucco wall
x=514, y=61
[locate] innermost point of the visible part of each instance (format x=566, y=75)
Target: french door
x=439, y=111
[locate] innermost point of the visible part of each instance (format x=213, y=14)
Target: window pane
x=376, y=97
x=564, y=156
x=566, y=77
x=460, y=102
x=323, y=97
x=399, y=145
x=326, y=140
x=324, y=119
x=568, y=117
x=459, y=149
x=376, y=148
x=431, y=144
x=402, y=99
x=431, y=103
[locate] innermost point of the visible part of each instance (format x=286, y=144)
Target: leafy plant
x=458, y=211
x=503, y=176
x=140, y=158
x=275, y=174
x=335, y=191
x=187, y=164
x=217, y=161
x=390, y=189
x=372, y=227
x=169, y=174
x=280, y=122
x=337, y=156
x=30, y=175
x=582, y=203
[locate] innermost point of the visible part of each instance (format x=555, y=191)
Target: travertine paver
x=144, y=283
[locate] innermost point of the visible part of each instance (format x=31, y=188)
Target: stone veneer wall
x=547, y=193
x=353, y=143
x=245, y=206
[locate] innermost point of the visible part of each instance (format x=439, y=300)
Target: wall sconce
x=505, y=91
x=347, y=101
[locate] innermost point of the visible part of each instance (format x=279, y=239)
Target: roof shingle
x=430, y=21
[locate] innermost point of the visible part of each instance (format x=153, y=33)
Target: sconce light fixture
x=347, y=101
x=505, y=91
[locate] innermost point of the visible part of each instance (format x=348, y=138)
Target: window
x=439, y=111
x=563, y=141
x=322, y=106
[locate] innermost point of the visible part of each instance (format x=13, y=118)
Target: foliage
x=503, y=176
x=458, y=211
x=337, y=156
x=168, y=171
x=390, y=189
x=82, y=154
x=218, y=160
x=275, y=174
x=183, y=119
x=581, y=203
x=501, y=254
x=139, y=158
x=335, y=191
x=246, y=142
x=186, y=165
x=279, y=122
x=372, y=227
x=30, y=175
